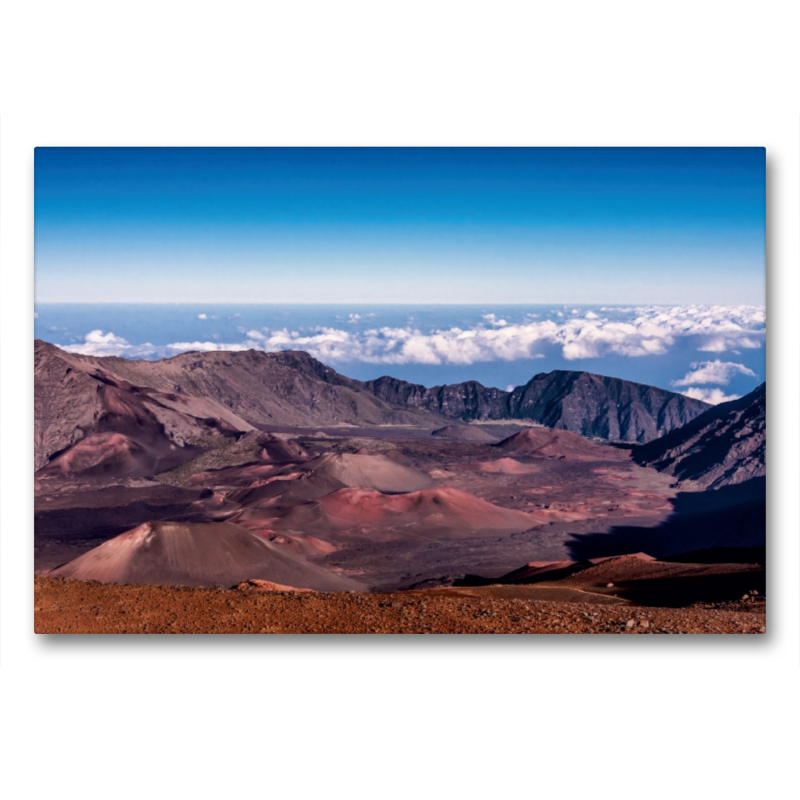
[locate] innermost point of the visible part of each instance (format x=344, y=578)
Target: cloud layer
x=632, y=332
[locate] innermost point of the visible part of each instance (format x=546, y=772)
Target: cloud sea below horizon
x=712, y=353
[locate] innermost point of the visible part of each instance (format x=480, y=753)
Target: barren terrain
x=66, y=606
x=154, y=485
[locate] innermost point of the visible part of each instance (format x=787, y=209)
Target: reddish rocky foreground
x=70, y=606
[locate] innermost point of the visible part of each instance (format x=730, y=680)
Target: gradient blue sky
x=498, y=225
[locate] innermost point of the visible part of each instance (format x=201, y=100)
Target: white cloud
x=713, y=372
x=712, y=396
x=202, y=316
x=632, y=332
x=721, y=344
x=208, y=347
x=97, y=343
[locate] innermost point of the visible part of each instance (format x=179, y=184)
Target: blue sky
x=485, y=225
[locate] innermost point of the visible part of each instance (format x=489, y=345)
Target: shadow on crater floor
x=730, y=521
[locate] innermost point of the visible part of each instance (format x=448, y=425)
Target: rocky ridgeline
x=724, y=446
x=580, y=402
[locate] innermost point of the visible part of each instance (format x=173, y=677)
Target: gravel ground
x=69, y=606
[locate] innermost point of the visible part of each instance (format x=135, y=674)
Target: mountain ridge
x=580, y=402
x=726, y=445
x=195, y=399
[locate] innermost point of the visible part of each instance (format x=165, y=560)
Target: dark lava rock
x=725, y=445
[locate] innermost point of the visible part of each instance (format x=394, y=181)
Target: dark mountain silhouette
x=580, y=402
x=467, y=401
x=726, y=445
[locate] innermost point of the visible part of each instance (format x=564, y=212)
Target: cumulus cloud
x=97, y=343
x=713, y=372
x=720, y=344
x=208, y=347
x=202, y=316
x=712, y=396
x=631, y=332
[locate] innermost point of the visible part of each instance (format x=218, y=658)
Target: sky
x=671, y=226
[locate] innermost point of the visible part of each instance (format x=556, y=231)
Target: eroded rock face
x=596, y=405
x=90, y=418
x=725, y=445
x=238, y=389
x=579, y=402
x=194, y=399
x=191, y=400
x=467, y=401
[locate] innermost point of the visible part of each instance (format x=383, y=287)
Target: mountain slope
x=90, y=419
x=201, y=554
x=164, y=409
x=468, y=400
x=547, y=443
x=596, y=405
x=725, y=445
x=192, y=399
x=580, y=402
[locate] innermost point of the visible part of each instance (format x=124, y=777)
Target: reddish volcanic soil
x=432, y=514
x=65, y=606
x=369, y=471
x=503, y=466
x=173, y=475
x=390, y=511
x=370, y=509
x=197, y=554
x=557, y=444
